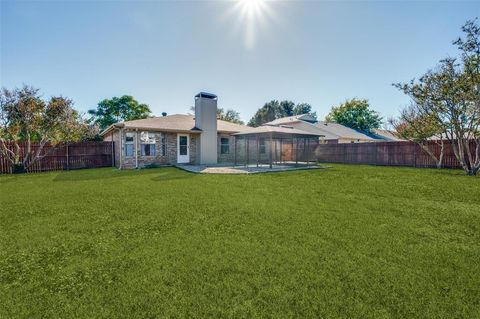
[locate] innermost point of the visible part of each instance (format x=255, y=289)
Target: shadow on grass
x=173, y=174
x=107, y=173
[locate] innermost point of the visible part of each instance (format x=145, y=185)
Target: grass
x=348, y=242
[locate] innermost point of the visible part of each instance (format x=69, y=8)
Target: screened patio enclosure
x=275, y=145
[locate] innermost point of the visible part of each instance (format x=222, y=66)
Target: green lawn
x=349, y=241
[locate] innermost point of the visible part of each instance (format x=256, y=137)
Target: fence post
x=414, y=155
x=68, y=159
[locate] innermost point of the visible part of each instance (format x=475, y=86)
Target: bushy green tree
x=229, y=115
x=422, y=129
x=274, y=109
x=356, y=114
x=304, y=108
x=25, y=118
x=449, y=95
x=118, y=109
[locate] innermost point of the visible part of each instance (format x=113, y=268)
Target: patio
x=247, y=169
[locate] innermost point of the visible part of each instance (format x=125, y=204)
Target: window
x=129, y=143
x=147, y=143
x=224, y=145
x=262, y=147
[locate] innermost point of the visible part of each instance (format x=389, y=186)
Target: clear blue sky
x=164, y=52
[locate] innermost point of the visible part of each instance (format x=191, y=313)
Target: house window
x=261, y=146
x=129, y=143
x=224, y=145
x=147, y=143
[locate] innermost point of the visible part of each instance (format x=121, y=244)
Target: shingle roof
x=329, y=130
x=341, y=131
x=276, y=130
x=291, y=119
x=386, y=135
x=176, y=123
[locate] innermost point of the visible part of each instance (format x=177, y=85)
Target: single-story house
x=386, y=135
x=175, y=139
x=332, y=132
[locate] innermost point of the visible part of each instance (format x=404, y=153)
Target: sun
x=252, y=14
x=252, y=7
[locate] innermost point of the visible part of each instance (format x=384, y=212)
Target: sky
x=247, y=52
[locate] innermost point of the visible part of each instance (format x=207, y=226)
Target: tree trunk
x=440, y=157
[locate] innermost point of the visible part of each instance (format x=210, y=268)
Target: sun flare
x=252, y=14
x=252, y=6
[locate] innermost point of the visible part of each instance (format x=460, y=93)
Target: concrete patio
x=245, y=169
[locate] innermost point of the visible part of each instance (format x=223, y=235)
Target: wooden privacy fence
x=387, y=154
x=66, y=157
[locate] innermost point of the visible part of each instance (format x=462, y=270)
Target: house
x=386, y=135
x=332, y=132
x=175, y=139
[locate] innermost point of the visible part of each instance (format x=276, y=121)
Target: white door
x=183, y=148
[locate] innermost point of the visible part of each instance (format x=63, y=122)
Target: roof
x=277, y=131
x=341, y=131
x=386, y=135
x=293, y=118
x=329, y=130
x=174, y=123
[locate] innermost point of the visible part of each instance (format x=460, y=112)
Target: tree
x=274, y=109
x=117, y=109
x=286, y=108
x=269, y=112
x=229, y=115
x=25, y=118
x=421, y=129
x=356, y=114
x=304, y=108
x=450, y=95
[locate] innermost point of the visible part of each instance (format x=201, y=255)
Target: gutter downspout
x=136, y=148
x=120, y=133
x=113, y=152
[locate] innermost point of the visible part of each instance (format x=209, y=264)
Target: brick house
x=175, y=139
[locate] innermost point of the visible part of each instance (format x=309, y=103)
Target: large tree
x=304, y=108
x=117, y=109
x=28, y=124
x=274, y=109
x=356, y=114
x=450, y=95
x=421, y=129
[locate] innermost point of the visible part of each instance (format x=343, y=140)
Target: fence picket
x=71, y=156
x=387, y=154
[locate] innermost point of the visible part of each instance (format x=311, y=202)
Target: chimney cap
x=206, y=95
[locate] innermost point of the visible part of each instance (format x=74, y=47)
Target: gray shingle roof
x=176, y=123
x=341, y=131
x=276, y=130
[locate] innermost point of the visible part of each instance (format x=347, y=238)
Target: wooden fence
x=66, y=157
x=387, y=154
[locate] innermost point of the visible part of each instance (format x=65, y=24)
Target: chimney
x=206, y=120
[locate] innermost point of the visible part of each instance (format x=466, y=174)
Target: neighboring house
x=386, y=135
x=333, y=132
x=175, y=139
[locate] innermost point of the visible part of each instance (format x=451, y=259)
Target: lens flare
x=252, y=13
